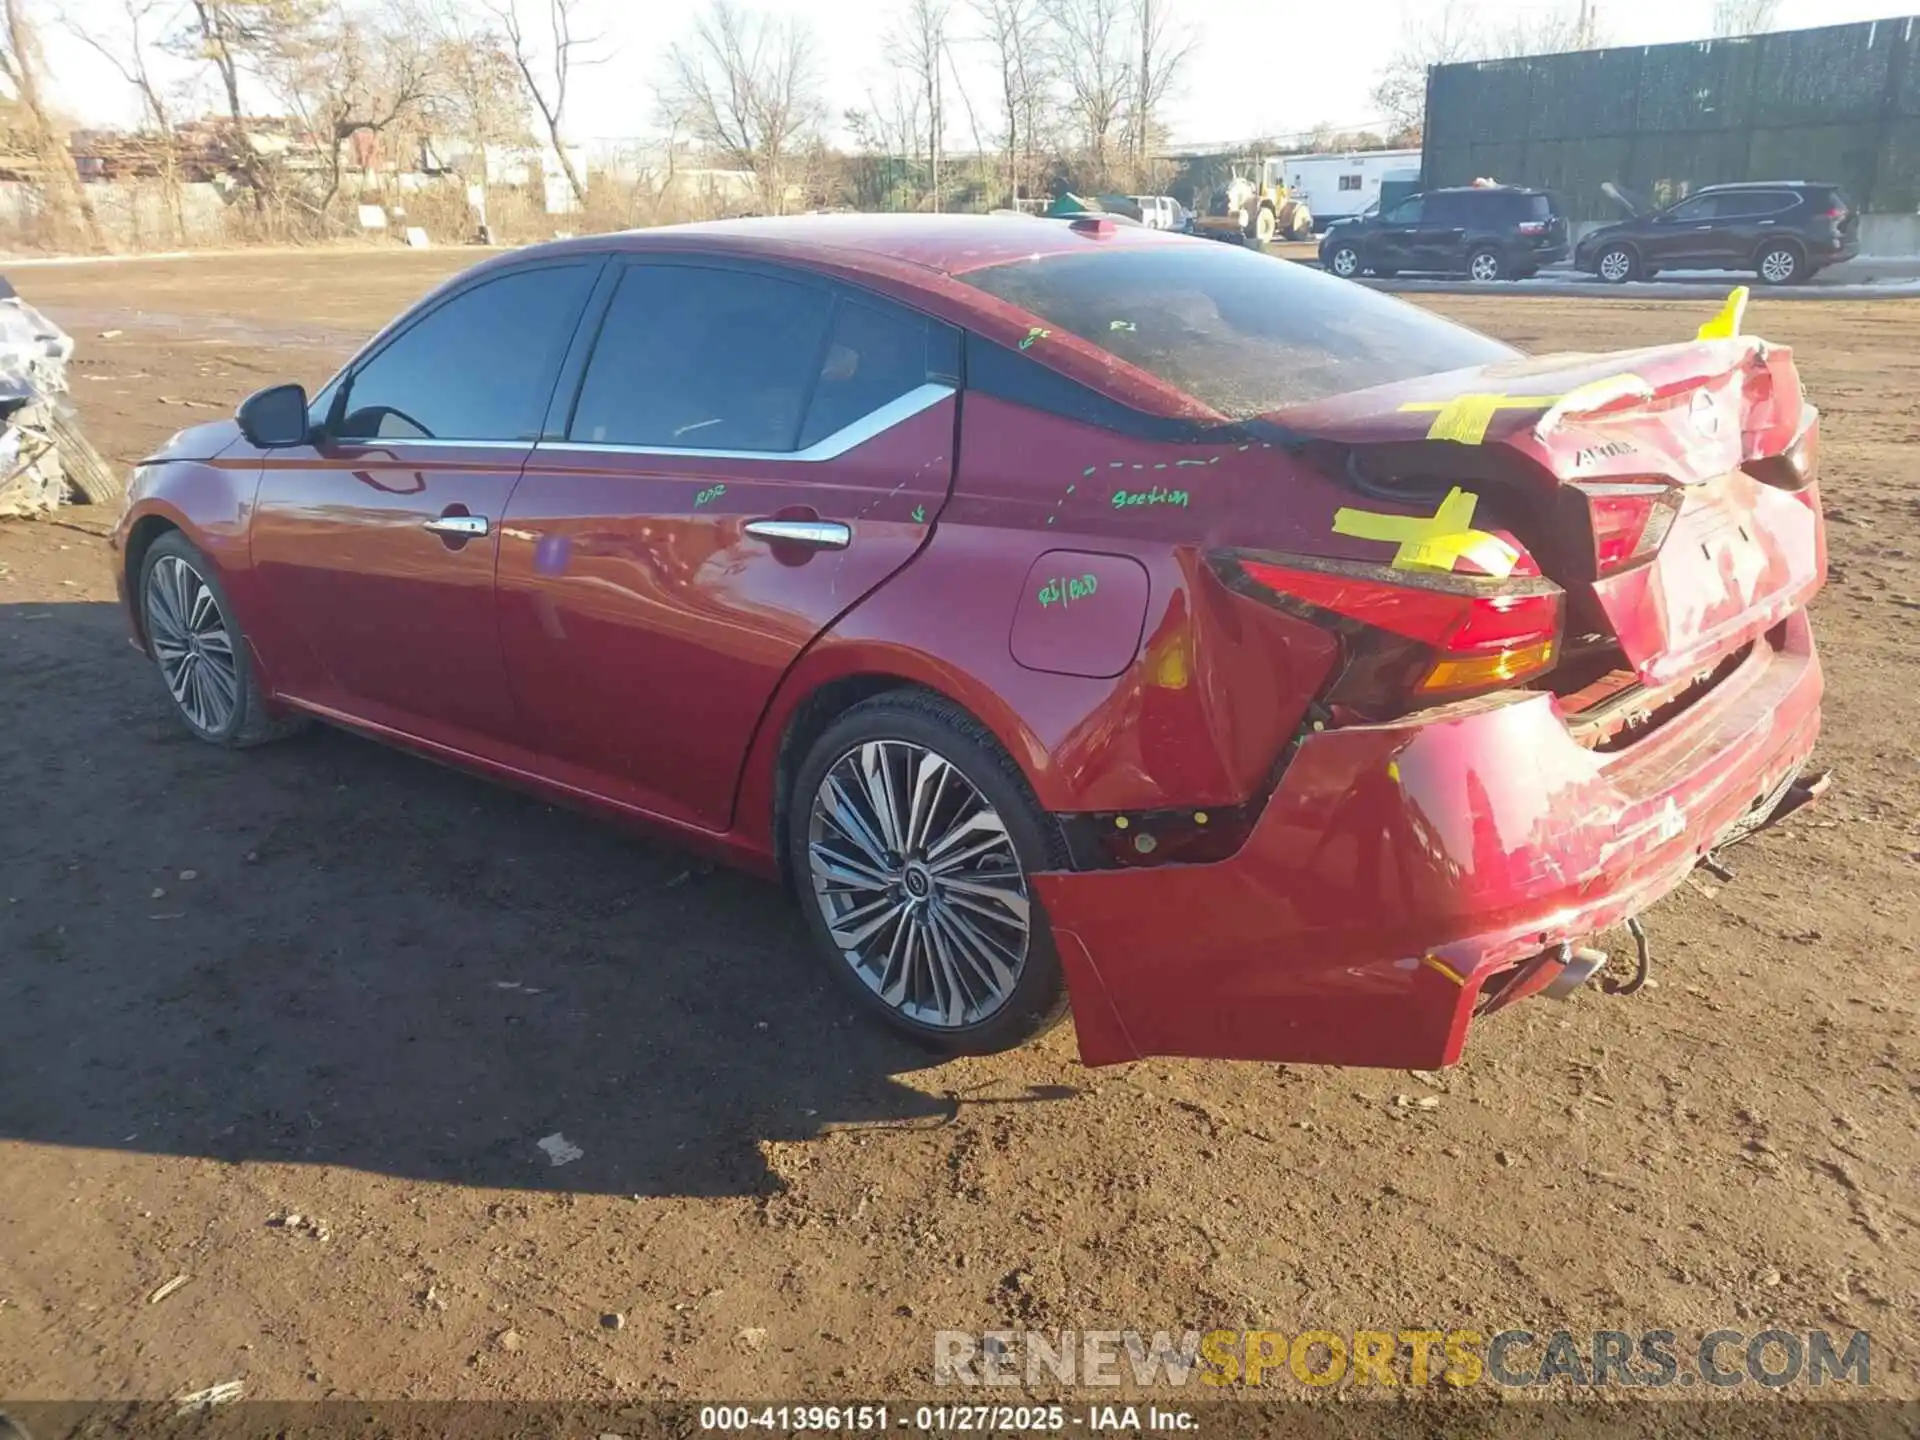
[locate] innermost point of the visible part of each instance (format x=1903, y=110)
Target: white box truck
x=1338, y=187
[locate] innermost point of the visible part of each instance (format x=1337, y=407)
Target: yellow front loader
x=1256, y=208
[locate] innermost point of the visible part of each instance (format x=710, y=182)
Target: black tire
x=250, y=723
x=87, y=473
x=1345, y=261
x=1487, y=264
x=1038, y=998
x=1781, y=262
x=1623, y=260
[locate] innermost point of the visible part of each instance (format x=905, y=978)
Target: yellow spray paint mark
x=1435, y=543
x=1435, y=963
x=1465, y=418
x=1726, y=325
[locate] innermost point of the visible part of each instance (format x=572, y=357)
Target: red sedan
x=1278, y=669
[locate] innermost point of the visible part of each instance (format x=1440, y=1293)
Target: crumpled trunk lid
x=1705, y=423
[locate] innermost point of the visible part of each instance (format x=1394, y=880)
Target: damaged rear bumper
x=1401, y=872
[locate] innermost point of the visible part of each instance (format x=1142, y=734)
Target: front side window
x=1232, y=329
x=1696, y=211
x=1407, y=212
x=698, y=359
x=481, y=366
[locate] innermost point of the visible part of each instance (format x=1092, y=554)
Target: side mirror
x=275, y=416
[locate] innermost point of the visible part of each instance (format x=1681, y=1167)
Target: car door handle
x=814, y=534
x=464, y=526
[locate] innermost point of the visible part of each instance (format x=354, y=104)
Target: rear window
x=1540, y=207
x=1240, y=332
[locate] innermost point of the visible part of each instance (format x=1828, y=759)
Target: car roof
x=942, y=244
x=1767, y=185
x=1485, y=190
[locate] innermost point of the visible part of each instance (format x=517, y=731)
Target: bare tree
x=546, y=77
x=747, y=86
x=478, y=98
x=1093, y=51
x=348, y=76
x=1165, y=48
x=918, y=44
x=1012, y=28
x=1433, y=35
x=236, y=37
x=1570, y=25
x=130, y=53
x=1745, y=17
x=22, y=70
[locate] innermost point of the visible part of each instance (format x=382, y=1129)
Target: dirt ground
x=289, y=1023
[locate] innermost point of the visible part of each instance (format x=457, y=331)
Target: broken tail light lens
x=1412, y=639
x=1629, y=521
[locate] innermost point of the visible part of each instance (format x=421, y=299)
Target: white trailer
x=1338, y=187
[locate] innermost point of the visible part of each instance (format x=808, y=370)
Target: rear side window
x=1538, y=207
x=481, y=366
x=1240, y=332
x=697, y=359
x=873, y=357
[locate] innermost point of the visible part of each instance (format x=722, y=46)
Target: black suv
x=1783, y=231
x=1488, y=232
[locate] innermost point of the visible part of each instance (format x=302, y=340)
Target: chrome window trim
x=832, y=447
x=397, y=442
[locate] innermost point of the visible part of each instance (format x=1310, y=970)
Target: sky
x=1316, y=61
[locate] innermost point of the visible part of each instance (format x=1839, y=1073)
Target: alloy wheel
x=192, y=644
x=1485, y=267
x=1616, y=266
x=1777, y=266
x=919, y=883
x=1345, y=263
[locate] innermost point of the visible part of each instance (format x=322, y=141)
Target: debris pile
x=44, y=459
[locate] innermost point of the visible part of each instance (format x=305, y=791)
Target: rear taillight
x=1413, y=639
x=1628, y=521
x=1534, y=227
x=1796, y=467
x=1837, y=214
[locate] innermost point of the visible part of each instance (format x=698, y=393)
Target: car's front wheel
x=911, y=837
x=1617, y=265
x=197, y=644
x=1344, y=261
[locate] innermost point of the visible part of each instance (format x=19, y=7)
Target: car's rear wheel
x=1344, y=261
x=1617, y=264
x=1486, y=265
x=1781, y=265
x=911, y=836
x=202, y=656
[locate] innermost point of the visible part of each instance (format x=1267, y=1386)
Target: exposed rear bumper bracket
x=1795, y=794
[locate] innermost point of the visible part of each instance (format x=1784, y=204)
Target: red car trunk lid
x=1701, y=426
